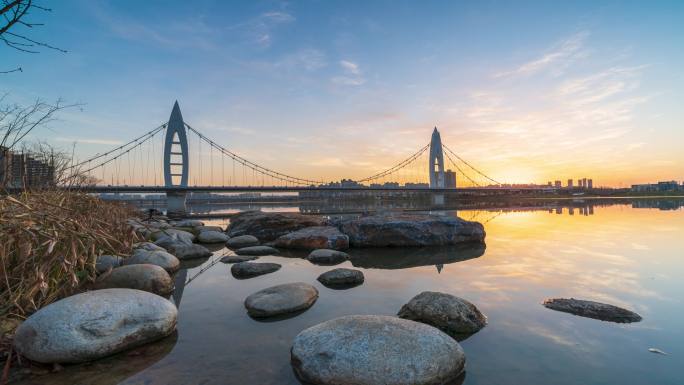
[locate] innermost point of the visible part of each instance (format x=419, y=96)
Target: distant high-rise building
x=590, y=184
x=449, y=179
x=569, y=183
x=579, y=182
x=584, y=182
x=557, y=184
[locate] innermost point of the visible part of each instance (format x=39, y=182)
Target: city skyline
x=331, y=92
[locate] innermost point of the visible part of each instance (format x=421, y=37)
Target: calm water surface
x=631, y=257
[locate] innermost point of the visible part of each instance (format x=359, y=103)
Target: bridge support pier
x=438, y=199
x=175, y=204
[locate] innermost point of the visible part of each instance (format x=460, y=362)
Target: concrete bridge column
x=175, y=204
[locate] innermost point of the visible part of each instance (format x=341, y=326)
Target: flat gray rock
x=94, y=324
x=151, y=278
x=238, y=258
x=242, y=241
x=180, y=235
x=211, y=236
x=244, y=270
x=410, y=230
x=156, y=257
x=375, y=350
x=209, y=228
x=256, y=250
x=453, y=315
x=327, y=257
x=268, y=226
x=105, y=262
x=281, y=299
x=188, y=223
x=315, y=237
x=184, y=251
x=338, y=278
x=591, y=309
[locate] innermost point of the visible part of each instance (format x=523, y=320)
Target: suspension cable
x=399, y=165
x=469, y=165
x=461, y=171
x=255, y=167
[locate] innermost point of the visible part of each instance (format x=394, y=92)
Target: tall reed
x=49, y=241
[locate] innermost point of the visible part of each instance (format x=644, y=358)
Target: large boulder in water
x=591, y=309
x=93, y=325
x=410, y=230
x=181, y=235
x=281, y=299
x=155, y=257
x=269, y=226
x=144, y=277
x=315, y=237
x=453, y=315
x=374, y=350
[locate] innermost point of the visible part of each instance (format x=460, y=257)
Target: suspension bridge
x=176, y=158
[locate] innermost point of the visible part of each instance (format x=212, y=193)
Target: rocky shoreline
x=128, y=305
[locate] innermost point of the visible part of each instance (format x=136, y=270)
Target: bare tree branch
x=14, y=14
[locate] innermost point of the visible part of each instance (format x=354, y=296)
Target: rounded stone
x=281, y=299
x=180, y=235
x=211, y=236
x=157, y=257
x=374, y=350
x=144, y=277
x=244, y=270
x=209, y=228
x=242, y=241
x=188, y=223
x=93, y=325
x=149, y=246
x=184, y=251
x=341, y=278
x=238, y=258
x=105, y=262
x=327, y=257
x=256, y=250
x=453, y=315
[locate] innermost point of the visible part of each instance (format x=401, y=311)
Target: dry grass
x=48, y=244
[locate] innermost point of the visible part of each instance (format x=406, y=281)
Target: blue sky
x=529, y=91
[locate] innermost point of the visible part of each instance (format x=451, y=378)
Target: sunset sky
x=527, y=91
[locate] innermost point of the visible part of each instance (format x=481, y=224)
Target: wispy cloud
x=351, y=76
x=260, y=29
x=556, y=58
x=89, y=141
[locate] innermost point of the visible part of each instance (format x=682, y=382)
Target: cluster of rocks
x=126, y=306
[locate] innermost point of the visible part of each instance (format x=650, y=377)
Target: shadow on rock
x=407, y=257
x=107, y=371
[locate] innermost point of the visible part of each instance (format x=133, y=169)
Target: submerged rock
x=453, y=315
x=146, y=277
x=374, y=350
x=269, y=226
x=238, y=258
x=93, y=325
x=256, y=250
x=184, y=251
x=212, y=236
x=105, y=262
x=327, y=257
x=410, y=230
x=338, y=278
x=591, y=309
x=242, y=241
x=156, y=257
x=244, y=270
x=316, y=237
x=281, y=299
